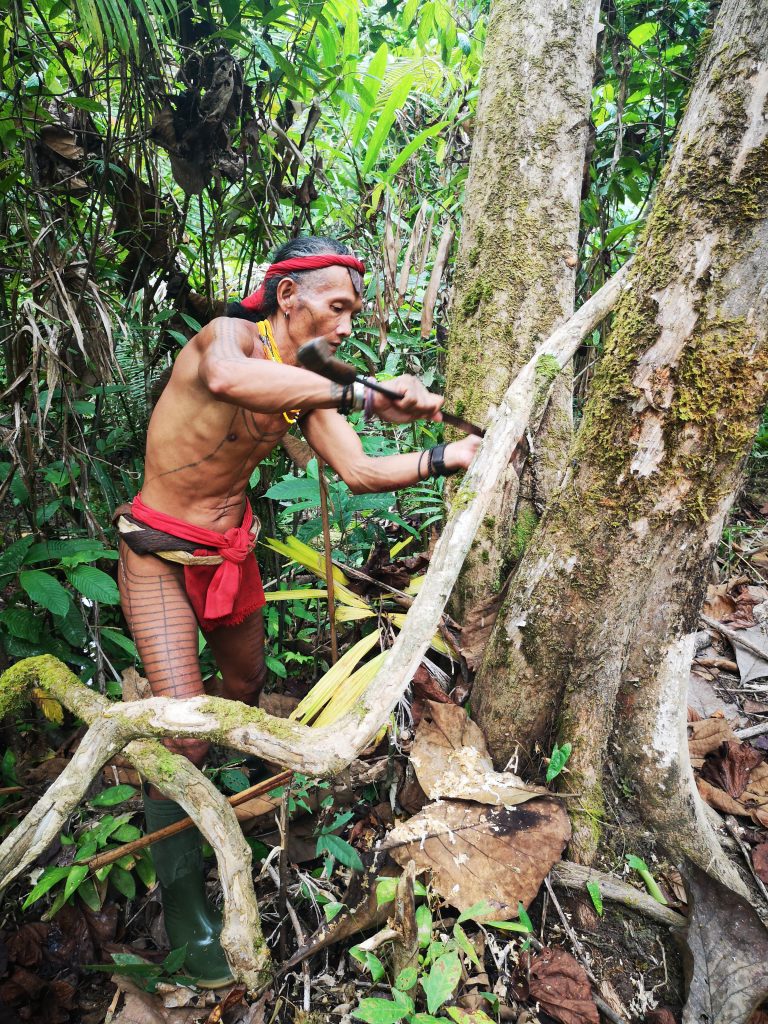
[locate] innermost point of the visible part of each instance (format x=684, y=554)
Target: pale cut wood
x=430, y=298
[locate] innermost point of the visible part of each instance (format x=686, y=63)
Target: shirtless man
x=234, y=391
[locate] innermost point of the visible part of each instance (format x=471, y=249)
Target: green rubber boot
x=189, y=918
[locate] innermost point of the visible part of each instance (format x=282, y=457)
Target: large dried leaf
x=561, y=987
x=725, y=953
x=730, y=767
x=451, y=759
x=498, y=854
x=707, y=734
x=719, y=799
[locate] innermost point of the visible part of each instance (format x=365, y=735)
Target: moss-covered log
x=515, y=270
x=613, y=578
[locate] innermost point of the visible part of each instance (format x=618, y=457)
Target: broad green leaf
x=409, y=13
x=341, y=850
x=15, y=556
x=558, y=760
x=440, y=984
x=386, y=888
x=416, y=143
x=406, y=979
x=424, y=925
x=369, y=960
x=145, y=869
x=331, y=909
x=89, y=894
x=642, y=33
x=45, y=590
x=94, y=584
x=523, y=917
x=385, y=122
x=175, y=960
x=234, y=780
x=114, y=795
x=593, y=888
x=480, y=909
x=374, y=78
x=21, y=622
x=126, y=833
x=384, y=1011
x=461, y=938
x=123, y=882
x=47, y=880
x=119, y=640
x=77, y=874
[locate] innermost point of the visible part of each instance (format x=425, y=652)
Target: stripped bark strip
x=430, y=298
x=405, y=270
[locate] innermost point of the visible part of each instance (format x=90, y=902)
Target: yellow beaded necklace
x=272, y=352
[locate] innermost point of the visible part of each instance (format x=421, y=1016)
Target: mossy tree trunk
x=515, y=271
x=597, y=615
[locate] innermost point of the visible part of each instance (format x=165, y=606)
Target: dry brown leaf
x=451, y=760
x=476, y=630
x=134, y=685
x=760, y=861
x=718, y=604
x=661, y=1016
x=62, y=141
x=707, y=734
x=142, y=1008
x=27, y=946
x=475, y=852
x=755, y=707
x=725, y=953
x=719, y=799
x=730, y=766
x=560, y=985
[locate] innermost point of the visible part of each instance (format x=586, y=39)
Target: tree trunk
x=515, y=269
x=613, y=579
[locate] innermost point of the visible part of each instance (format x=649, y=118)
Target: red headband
x=255, y=301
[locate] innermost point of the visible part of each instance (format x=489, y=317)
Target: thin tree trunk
x=613, y=579
x=515, y=271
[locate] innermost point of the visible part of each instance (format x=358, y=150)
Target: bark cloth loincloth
x=221, y=575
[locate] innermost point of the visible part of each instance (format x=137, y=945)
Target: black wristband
x=437, y=462
x=347, y=396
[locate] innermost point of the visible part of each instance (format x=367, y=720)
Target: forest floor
x=425, y=961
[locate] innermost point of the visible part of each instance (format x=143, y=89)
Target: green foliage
x=558, y=760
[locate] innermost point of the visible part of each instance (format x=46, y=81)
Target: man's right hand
x=416, y=404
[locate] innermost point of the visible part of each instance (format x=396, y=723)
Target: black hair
x=311, y=245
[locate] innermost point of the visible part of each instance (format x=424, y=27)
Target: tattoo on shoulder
x=225, y=345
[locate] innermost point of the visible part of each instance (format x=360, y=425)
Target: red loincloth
x=220, y=595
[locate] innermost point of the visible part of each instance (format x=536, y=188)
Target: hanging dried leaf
x=725, y=953
x=430, y=298
x=561, y=987
x=473, y=851
x=752, y=665
x=451, y=759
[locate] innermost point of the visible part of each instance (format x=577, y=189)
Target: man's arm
x=336, y=442
x=231, y=374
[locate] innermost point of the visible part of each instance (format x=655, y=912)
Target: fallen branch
x=575, y=876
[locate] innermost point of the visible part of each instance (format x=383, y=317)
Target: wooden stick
x=179, y=826
x=329, y=582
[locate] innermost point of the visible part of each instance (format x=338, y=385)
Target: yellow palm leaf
x=415, y=585
x=324, y=688
x=50, y=707
x=437, y=642
x=293, y=595
x=401, y=544
x=296, y=551
x=352, y=614
x=345, y=698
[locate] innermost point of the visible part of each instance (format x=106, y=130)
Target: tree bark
x=515, y=271
x=613, y=579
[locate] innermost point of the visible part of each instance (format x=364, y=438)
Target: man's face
x=323, y=304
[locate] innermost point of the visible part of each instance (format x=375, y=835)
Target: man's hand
x=416, y=404
x=459, y=454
